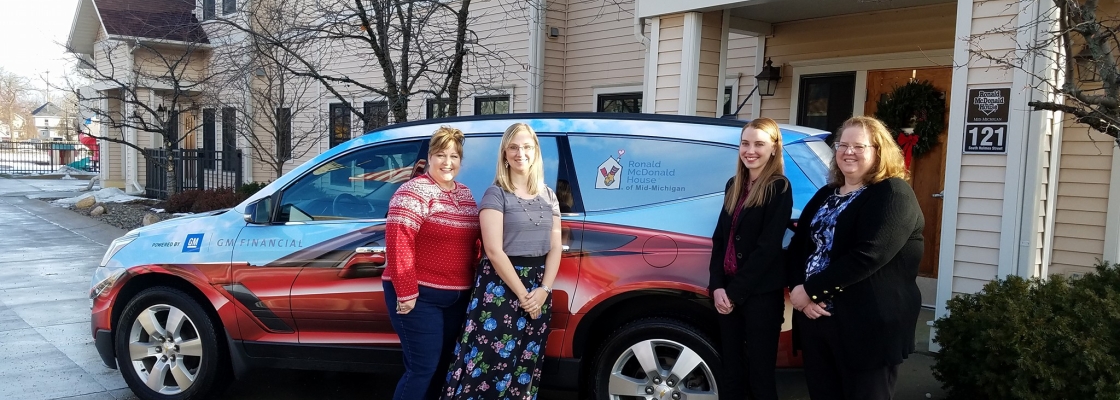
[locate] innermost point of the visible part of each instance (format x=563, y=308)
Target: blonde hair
x=446, y=137
x=773, y=170
x=536, y=172
x=888, y=161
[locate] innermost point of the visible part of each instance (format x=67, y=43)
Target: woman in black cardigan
x=746, y=270
x=853, y=261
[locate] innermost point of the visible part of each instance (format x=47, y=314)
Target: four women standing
x=746, y=270
x=851, y=268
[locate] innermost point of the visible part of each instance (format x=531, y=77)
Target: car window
x=355, y=185
x=808, y=156
x=480, y=157
x=620, y=172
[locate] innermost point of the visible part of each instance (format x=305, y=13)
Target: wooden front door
x=189, y=141
x=928, y=171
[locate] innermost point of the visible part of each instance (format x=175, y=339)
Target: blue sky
x=31, y=38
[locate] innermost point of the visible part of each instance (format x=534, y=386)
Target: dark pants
x=825, y=374
x=428, y=336
x=758, y=323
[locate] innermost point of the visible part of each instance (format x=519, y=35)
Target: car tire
x=167, y=348
x=639, y=361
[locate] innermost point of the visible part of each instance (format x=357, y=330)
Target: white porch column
x=690, y=63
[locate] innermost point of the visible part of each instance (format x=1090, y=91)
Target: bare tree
x=1081, y=40
x=16, y=95
x=143, y=84
x=420, y=47
x=255, y=76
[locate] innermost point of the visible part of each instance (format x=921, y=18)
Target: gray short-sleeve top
x=527, y=223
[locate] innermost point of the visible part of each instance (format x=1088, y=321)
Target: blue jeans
x=427, y=336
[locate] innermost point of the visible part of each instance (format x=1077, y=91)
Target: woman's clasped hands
x=802, y=302
x=533, y=302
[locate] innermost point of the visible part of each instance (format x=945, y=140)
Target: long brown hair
x=536, y=172
x=888, y=161
x=773, y=170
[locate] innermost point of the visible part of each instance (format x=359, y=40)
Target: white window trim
x=362, y=103
x=495, y=91
x=732, y=81
x=629, y=88
x=1112, y=220
x=424, y=108
x=862, y=64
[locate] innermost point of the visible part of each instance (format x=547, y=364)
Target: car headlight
x=116, y=246
x=103, y=278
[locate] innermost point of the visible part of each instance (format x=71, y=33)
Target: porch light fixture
x=768, y=79
x=1086, y=65
x=766, y=86
x=161, y=109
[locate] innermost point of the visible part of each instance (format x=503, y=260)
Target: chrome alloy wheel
x=164, y=349
x=659, y=369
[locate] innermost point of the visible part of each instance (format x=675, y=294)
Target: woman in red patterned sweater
x=433, y=238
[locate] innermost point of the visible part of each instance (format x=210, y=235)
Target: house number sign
x=985, y=128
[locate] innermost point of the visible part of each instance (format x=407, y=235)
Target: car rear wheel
x=657, y=358
x=167, y=348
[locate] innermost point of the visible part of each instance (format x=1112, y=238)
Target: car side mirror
x=259, y=212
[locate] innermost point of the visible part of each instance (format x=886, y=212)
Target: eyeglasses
x=526, y=148
x=855, y=148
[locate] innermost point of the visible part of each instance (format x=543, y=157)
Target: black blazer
x=876, y=249
x=758, y=245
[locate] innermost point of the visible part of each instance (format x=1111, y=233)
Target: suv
x=290, y=278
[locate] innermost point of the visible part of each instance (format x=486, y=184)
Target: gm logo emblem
x=193, y=243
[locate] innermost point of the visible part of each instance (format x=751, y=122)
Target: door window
x=618, y=172
x=355, y=185
x=826, y=101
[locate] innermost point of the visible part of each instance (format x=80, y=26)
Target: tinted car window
x=625, y=172
x=480, y=157
x=809, y=157
x=354, y=185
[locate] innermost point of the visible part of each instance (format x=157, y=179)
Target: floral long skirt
x=500, y=353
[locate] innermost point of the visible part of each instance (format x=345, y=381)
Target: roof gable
x=47, y=110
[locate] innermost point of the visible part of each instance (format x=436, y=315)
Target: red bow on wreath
x=907, y=142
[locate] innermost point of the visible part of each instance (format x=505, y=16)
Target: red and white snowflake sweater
x=432, y=238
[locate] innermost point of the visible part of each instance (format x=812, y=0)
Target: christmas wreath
x=916, y=105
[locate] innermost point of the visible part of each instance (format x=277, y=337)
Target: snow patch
x=106, y=195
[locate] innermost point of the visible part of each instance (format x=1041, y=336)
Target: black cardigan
x=876, y=249
x=758, y=245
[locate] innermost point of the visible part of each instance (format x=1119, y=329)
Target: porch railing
x=194, y=169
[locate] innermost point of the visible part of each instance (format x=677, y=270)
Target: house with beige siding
x=1046, y=202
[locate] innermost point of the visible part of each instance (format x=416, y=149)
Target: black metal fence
x=29, y=158
x=194, y=169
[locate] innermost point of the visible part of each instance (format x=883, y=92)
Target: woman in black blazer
x=853, y=261
x=747, y=269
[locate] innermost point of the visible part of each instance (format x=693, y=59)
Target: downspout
x=536, y=55
x=640, y=30
x=647, y=91
x=131, y=183
x=246, y=159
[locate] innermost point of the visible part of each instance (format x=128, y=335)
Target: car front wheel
x=167, y=347
x=658, y=358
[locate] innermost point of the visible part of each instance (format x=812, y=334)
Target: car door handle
x=367, y=261
x=370, y=250
x=567, y=248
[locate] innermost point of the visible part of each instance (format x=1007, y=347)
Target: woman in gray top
x=501, y=350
